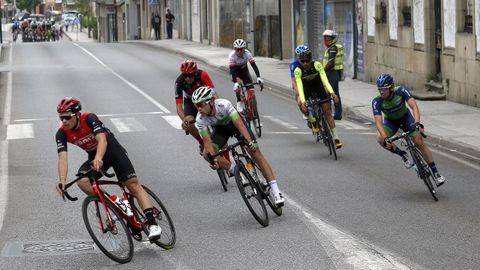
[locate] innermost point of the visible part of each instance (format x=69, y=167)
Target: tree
x=28, y=5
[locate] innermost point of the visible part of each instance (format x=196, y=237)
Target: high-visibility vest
x=338, y=64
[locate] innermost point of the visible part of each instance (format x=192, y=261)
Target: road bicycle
x=324, y=132
x=419, y=164
x=250, y=106
x=253, y=187
x=222, y=174
x=112, y=226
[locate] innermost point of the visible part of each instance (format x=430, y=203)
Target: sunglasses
x=189, y=75
x=304, y=61
x=239, y=50
x=384, y=89
x=66, y=117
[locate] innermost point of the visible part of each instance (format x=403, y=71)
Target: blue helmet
x=384, y=80
x=303, y=51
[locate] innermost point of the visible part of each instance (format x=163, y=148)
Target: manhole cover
x=58, y=247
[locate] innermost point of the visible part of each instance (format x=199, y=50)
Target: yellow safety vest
x=338, y=64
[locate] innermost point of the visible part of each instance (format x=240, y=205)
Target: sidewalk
x=448, y=124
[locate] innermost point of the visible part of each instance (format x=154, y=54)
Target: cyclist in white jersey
x=238, y=61
x=226, y=122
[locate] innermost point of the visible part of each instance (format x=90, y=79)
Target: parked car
x=20, y=16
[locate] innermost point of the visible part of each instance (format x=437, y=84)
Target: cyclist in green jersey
x=392, y=103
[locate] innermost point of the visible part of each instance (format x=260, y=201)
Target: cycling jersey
x=182, y=88
x=313, y=80
x=293, y=65
x=225, y=114
x=239, y=66
x=394, y=108
x=84, y=136
x=397, y=115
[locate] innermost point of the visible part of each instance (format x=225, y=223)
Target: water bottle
x=128, y=210
x=118, y=202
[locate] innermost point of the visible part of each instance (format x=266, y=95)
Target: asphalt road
x=363, y=211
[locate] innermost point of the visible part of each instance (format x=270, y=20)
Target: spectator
x=156, y=22
x=169, y=18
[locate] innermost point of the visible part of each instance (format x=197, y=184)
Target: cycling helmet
x=202, y=94
x=239, y=44
x=384, y=80
x=332, y=34
x=69, y=104
x=303, y=51
x=188, y=67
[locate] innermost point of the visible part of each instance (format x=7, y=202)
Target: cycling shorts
x=315, y=94
x=116, y=157
x=221, y=134
x=406, y=123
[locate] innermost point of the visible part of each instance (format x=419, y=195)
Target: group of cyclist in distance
x=212, y=121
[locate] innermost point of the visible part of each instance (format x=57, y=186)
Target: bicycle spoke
x=112, y=238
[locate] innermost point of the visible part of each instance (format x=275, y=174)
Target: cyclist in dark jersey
x=392, y=103
x=190, y=79
x=104, y=151
x=238, y=60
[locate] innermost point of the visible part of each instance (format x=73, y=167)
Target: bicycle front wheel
x=256, y=118
x=329, y=137
x=424, y=172
x=167, y=238
x=112, y=238
x=223, y=178
x=250, y=194
x=266, y=194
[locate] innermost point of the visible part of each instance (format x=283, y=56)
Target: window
x=406, y=9
x=465, y=16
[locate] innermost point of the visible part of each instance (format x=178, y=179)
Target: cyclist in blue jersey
x=392, y=102
x=294, y=64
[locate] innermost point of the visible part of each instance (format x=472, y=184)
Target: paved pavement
x=448, y=124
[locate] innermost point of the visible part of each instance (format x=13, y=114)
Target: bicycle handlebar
x=80, y=176
x=211, y=157
x=248, y=85
x=404, y=135
x=188, y=123
x=317, y=101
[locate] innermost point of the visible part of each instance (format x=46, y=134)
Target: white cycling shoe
x=278, y=199
x=154, y=232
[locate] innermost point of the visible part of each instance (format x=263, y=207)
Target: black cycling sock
x=149, y=214
x=238, y=97
x=433, y=167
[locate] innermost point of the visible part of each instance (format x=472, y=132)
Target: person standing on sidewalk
x=238, y=61
x=156, y=22
x=392, y=103
x=333, y=64
x=169, y=18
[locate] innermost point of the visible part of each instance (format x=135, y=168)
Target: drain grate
x=45, y=248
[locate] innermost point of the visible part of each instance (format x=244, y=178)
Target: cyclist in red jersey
x=104, y=151
x=187, y=82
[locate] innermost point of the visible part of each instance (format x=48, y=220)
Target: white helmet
x=202, y=94
x=239, y=44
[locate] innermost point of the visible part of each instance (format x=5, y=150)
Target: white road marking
x=20, y=131
x=174, y=121
x=287, y=132
x=134, y=87
x=128, y=124
x=345, y=250
x=280, y=122
x=349, y=125
x=4, y=144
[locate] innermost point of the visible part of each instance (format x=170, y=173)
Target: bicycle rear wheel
x=222, y=174
x=256, y=118
x=424, y=172
x=168, y=237
x=250, y=194
x=114, y=241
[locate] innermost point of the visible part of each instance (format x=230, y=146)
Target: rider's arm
x=255, y=68
x=323, y=77
x=179, y=97
x=332, y=52
x=299, y=83
x=232, y=66
x=100, y=133
x=61, y=139
x=238, y=123
x=411, y=103
x=377, y=115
